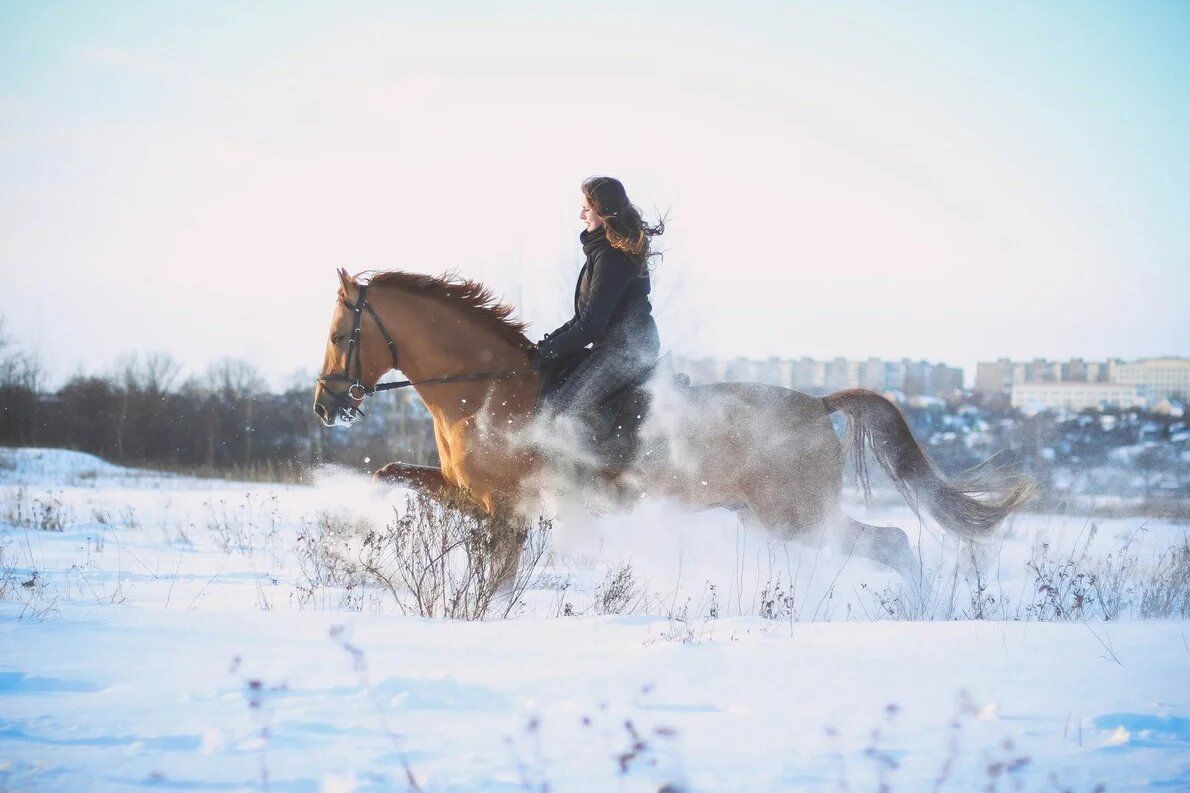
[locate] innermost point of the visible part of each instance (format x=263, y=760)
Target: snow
x=58, y=466
x=145, y=655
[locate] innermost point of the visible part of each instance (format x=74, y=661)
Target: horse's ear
x=345, y=280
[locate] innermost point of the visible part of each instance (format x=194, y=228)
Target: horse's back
x=754, y=396
x=724, y=441
x=744, y=417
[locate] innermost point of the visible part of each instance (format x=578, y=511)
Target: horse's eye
x=338, y=337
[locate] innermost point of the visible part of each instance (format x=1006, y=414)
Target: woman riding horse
x=612, y=312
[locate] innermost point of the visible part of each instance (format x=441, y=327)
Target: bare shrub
x=251, y=523
x=1080, y=585
x=562, y=606
x=25, y=585
x=1063, y=589
x=679, y=627
x=105, y=593
x=1114, y=583
x=437, y=560
x=933, y=595
x=1071, y=586
x=330, y=575
x=687, y=623
x=999, y=763
x=981, y=602
x=644, y=756
x=1166, y=590
x=777, y=602
x=712, y=601
x=8, y=579
x=620, y=592
x=43, y=512
x=886, y=762
x=128, y=516
x=259, y=698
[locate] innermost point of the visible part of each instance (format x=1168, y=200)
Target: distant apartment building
x=1154, y=378
x=808, y=375
x=1073, y=395
x=998, y=377
x=945, y=380
x=1076, y=370
x=1020, y=382
x=913, y=378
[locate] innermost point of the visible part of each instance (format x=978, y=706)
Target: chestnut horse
x=771, y=449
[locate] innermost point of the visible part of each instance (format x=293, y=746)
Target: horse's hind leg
x=886, y=545
x=817, y=523
x=805, y=519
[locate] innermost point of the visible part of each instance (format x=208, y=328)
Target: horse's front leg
x=423, y=478
x=429, y=480
x=501, y=559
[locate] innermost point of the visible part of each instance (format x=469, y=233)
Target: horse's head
x=357, y=355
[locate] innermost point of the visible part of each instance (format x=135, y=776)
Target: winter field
x=176, y=633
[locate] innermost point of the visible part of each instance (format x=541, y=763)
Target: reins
x=454, y=378
x=357, y=390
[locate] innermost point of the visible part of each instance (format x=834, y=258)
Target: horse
x=769, y=449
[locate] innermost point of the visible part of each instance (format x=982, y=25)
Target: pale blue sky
x=950, y=181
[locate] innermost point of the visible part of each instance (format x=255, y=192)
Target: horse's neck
x=436, y=339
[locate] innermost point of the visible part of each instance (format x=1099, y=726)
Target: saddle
x=618, y=417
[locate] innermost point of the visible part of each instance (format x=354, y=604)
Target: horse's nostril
x=320, y=411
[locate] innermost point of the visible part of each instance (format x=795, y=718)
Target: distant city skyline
x=1147, y=379
x=935, y=181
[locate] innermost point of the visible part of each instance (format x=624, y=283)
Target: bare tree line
x=141, y=413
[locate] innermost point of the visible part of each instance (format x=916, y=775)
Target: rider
x=611, y=306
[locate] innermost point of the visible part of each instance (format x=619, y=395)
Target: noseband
x=356, y=390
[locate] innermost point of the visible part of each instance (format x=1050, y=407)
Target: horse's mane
x=471, y=295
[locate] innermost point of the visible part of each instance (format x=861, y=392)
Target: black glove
x=542, y=357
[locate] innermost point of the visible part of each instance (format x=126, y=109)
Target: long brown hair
x=626, y=229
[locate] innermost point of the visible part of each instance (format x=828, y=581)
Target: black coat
x=611, y=304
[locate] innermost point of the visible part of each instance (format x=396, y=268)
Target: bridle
x=356, y=390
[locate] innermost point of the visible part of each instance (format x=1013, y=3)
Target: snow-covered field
x=166, y=632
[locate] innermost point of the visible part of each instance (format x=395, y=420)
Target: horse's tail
x=877, y=423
